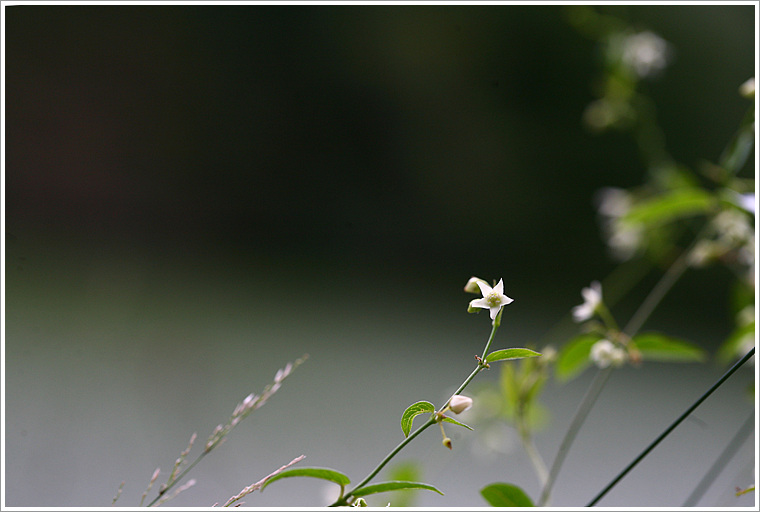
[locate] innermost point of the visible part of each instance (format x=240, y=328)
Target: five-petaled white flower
x=592, y=297
x=605, y=353
x=493, y=298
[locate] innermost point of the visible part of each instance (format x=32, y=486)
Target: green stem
x=662, y=287
x=481, y=366
x=530, y=448
x=344, y=499
x=673, y=425
x=580, y=416
x=646, y=308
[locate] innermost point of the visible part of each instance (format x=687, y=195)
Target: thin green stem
x=646, y=308
x=662, y=287
x=580, y=416
x=728, y=452
x=481, y=366
x=344, y=499
x=668, y=430
x=496, y=324
x=530, y=448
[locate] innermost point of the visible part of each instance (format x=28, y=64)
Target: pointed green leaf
x=573, y=357
x=393, y=486
x=507, y=354
x=412, y=411
x=455, y=422
x=670, y=206
x=658, y=347
x=505, y=495
x=323, y=473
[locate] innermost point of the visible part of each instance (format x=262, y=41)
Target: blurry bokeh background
x=196, y=195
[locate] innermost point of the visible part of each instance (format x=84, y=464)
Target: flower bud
x=447, y=442
x=472, y=285
x=460, y=403
x=473, y=309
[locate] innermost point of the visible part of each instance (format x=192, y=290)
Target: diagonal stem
x=668, y=430
x=728, y=452
x=580, y=416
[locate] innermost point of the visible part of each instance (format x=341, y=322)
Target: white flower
x=646, y=53
x=460, y=403
x=747, y=89
x=604, y=353
x=592, y=297
x=493, y=298
x=746, y=201
x=613, y=202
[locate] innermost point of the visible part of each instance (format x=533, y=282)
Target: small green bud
x=473, y=309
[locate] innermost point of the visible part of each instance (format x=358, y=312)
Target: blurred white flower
x=733, y=226
x=460, y=403
x=613, y=202
x=747, y=89
x=604, y=353
x=493, y=298
x=646, y=53
x=746, y=201
x=592, y=297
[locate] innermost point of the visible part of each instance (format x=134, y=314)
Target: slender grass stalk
x=668, y=430
x=728, y=452
x=178, y=478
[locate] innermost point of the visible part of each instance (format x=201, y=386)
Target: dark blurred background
x=197, y=194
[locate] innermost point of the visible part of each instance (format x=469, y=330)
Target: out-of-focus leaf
x=573, y=357
x=411, y=412
x=505, y=495
x=408, y=471
x=658, y=347
x=730, y=348
x=668, y=207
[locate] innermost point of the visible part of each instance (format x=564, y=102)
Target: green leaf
x=455, y=422
x=573, y=357
x=323, y=473
x=393, y=486
x=412, y=411
x=505, y=495
x=658, y=347
x=507, y=354
x=670, y=206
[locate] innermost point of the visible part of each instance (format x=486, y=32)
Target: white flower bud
x=472, y=285
x=460, y=403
